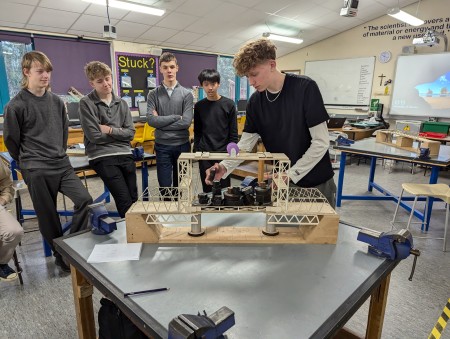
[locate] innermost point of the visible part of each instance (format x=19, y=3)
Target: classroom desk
x=376, y=150
x=276, y=291
x=356, y=133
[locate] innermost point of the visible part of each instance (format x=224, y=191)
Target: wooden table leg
x=82, y=294
x=377, y=309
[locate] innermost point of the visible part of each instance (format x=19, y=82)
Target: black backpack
x=113, y=324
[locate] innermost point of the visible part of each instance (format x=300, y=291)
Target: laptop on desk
x=336, y=122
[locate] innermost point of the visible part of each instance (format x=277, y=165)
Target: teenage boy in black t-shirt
x=288, y=113
x=215, y=123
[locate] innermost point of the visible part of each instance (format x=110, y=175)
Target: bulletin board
x=343, y=82
x=137, y=74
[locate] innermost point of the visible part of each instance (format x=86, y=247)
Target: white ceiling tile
x=184, y=38
x=198, y=7
x=25, y=2
x=99, y=10
x=15, y=12
x=142, y=18
x=271, y=6
x=225, y=13
x=77, y=6
x=246, y=3
x=6, y=24
x=130, y=29
x=91, y=23
x=177, y=20
x=148, y=41
x=158, y=33
x=169, y=4
x=313, y=14
x=53, y=18
x=202, y=25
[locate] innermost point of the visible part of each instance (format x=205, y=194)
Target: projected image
x=421, y=86
x=436, y=93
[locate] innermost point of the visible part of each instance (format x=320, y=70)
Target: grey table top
x=370, y=147
x=276, y=291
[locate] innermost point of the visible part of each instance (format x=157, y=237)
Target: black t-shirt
x=284, y=123
x=215, y=124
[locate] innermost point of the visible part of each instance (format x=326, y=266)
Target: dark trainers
x=59, y=261
x=7, y=273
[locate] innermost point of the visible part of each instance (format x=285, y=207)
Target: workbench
x=374, y=150
x=276, y=291
x=356, y=133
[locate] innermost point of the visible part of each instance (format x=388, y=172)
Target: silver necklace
x=267, y=96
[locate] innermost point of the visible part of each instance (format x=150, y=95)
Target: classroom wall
x=370, y=39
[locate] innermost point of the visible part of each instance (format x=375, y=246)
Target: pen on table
x=146, y=291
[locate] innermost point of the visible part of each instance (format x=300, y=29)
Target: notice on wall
x=137, y=74
x=402, y=31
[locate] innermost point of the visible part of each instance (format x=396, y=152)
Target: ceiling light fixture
x=405, y=17
x=129, y=6
x=272, y=36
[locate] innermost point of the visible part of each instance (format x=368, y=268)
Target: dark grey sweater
x=35, y=130
x=93, y=113
x=170, y=128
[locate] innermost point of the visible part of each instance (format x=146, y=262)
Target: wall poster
x=137, y=74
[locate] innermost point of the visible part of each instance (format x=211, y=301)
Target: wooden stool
x=438, y=191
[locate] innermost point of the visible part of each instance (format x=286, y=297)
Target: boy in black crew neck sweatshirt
x=35, y=133
x=215, y=123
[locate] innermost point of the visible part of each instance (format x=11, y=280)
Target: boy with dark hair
x=108, y=129
x=35, y=134
x=169, y=110
x=215, y=123
x=288, y=113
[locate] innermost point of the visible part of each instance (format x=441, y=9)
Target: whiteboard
x=345, y=82
x=422, y=86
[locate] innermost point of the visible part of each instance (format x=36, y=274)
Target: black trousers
x=44, y=185
x=203, y=165
x=118, y=173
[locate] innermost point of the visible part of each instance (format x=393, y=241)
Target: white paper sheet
x=115, y=252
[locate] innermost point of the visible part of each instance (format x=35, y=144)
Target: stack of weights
x=263, y=194
x=216, y=199
x=233, y=197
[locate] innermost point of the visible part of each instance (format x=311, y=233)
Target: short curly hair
x=252, y=54
x=96, y=69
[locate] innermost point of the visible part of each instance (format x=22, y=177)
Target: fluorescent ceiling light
x=272, y=36
x=129, y=6
x=405, y=17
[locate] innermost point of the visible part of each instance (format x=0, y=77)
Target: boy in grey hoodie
x=35, y=133
x=170, y=111
x=108, y=129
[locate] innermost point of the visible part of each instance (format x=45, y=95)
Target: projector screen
x=422, y=86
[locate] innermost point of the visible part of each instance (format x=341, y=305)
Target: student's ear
x=26, y=71
x=273, y=65
x=92, y=84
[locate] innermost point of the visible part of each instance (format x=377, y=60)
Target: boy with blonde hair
x=35, y=134
x=108, y=129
